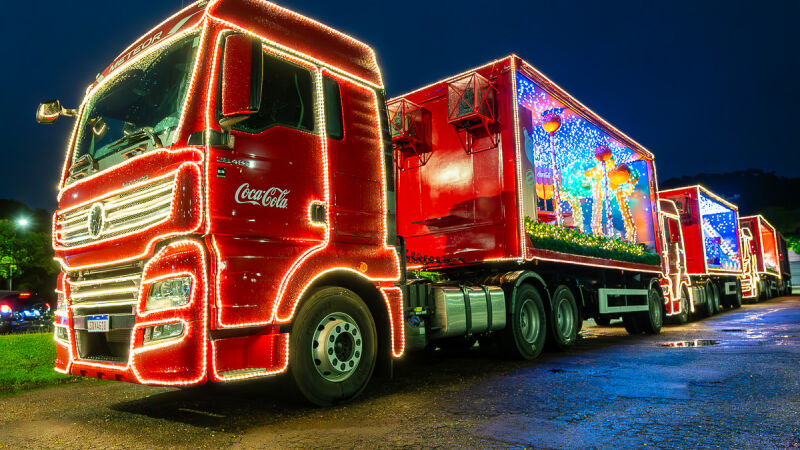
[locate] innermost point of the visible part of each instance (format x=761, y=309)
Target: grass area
x=26, y=362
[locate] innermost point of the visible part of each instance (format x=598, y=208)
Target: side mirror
x=242, y=73
x=49, y=111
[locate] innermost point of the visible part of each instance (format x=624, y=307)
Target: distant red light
x=48, y=306
x=5, y=309
x=24, y=294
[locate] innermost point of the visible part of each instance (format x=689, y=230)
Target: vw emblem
x=96, y=220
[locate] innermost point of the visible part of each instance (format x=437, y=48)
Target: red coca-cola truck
x=712, y=250
x=763, y=279
x=237, y=202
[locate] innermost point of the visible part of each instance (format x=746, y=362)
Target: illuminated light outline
x=383, y=290
x=198, y=213
x=759, y=218
x=523, y=236
x=602, y=266
x=93, y=90
x=265, y=373
x=319, y=101
x=130, y=366
x=203, y=339
x=197, y=4
x=681, y=279
x=701, y=189
x=310, y=58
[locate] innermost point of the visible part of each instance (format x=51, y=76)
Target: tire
x=651, y=321
x=602, y=321
x=709, y=309
x=526, y=325
x=715, y=304
x=736, y=298
x=683, y=317
x=564, y=319
x=338, y=319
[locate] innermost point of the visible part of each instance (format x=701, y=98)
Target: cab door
x=261, y=189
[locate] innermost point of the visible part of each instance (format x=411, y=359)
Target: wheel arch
x=372, y=297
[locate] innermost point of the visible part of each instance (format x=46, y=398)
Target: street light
x=22, y=223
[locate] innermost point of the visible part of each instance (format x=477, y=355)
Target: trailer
x=504, y=179
x=228, y=210
x=764, y=278
x=712, y=252
x=785, y=285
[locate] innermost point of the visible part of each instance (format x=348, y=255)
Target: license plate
x=97, y=324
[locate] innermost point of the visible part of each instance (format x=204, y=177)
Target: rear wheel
x=709, y=307
x=526, y=325
x=736, y=298
x=683, y=316
x=563, y=330
x=332, y=347
x=652, y=320
x=715, y=304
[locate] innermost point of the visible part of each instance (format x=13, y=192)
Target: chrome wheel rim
x=529, y=321
x=336, y=348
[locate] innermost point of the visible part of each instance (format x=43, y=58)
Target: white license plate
x=98, y=324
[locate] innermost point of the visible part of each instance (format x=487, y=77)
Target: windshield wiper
x=136, y=136
x=83, y=167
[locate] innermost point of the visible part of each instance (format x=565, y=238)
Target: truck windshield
x=140, y=105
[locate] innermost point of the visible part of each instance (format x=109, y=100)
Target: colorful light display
x=720, y=234
x=578, y=175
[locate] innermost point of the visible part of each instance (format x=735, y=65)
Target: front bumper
x=120, y=353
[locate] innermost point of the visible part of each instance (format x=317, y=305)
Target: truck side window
x=334, y=125
x=286, y=98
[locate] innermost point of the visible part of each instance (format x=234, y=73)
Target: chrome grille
x=135, y=209
x=116, y=288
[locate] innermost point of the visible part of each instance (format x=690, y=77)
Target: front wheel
x=683, y=316
x=332, y=346
x=652, y=320
x=526, y=325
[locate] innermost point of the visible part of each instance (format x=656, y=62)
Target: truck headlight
x=162, y=332
x=168, y=293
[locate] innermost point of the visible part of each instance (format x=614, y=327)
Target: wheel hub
x=336, y=347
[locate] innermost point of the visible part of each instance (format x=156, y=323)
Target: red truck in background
x=711, y=250
x=785, y=267
x=238, y=201
x=763, y=279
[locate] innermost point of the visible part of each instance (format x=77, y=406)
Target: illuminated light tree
x=623, y=181
x=551, y=124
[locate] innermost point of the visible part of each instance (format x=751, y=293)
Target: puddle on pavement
x=692, y=343
x=734, y=330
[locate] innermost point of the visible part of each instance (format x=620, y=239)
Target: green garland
x=570, y=240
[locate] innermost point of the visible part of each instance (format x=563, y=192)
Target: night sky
x=707, y=86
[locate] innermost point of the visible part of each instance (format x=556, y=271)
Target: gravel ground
x=611, y=390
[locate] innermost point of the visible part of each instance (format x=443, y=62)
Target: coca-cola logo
x=271, y=198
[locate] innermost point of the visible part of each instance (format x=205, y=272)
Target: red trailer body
x=467, y=184
x=712, y=248
x=764, y=247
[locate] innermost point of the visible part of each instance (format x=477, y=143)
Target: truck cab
x=227, y=183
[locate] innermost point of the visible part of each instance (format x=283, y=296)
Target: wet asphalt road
x=612, y=390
